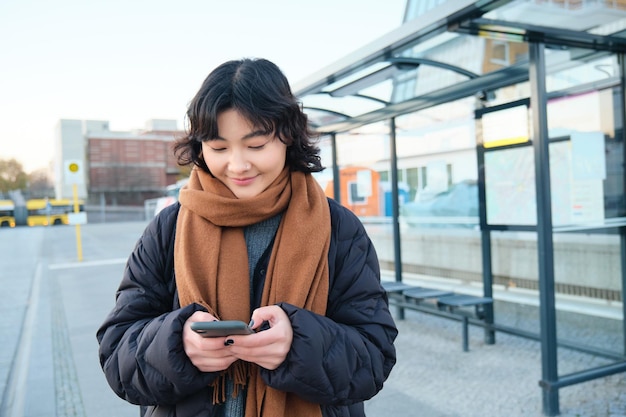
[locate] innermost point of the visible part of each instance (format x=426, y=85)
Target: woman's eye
x=257, y=147
x=217, y=149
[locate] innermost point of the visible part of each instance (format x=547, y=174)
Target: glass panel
x=585, y=164
x=586, y=172
x=364, y=164
x=466, y=57
x=588, y=270
x=439, y=237
x=321, y=117
x=576, y=67
x=592, y=156
x=459, y=53
x=603, y=17
x=437, y=148
x=363, y=161
x=347, y=106
x=412, y=182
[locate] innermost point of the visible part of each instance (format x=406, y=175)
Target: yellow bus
x=46, y=212
x=7, y=213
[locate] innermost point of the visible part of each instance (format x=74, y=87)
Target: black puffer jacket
x=338, y=360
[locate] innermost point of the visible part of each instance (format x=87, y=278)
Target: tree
x=40, y=185
x=12, y=176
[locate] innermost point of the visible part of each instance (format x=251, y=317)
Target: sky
x=129, y=61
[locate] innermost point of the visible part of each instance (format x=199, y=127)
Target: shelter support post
x=485, y=242
x=336, y=177
x=545, y=255
x=621, y=59
x=395, y=207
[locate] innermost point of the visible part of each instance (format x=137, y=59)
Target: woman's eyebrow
x=250, y=135
x=255, y=133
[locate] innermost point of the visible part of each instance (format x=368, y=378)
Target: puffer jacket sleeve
x=344, y=357
x=141, y=349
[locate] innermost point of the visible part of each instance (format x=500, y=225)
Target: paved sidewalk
x=52, y=306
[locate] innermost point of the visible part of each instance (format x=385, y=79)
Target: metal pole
x=545, y=255
x=485, y=242
x=336, y=174
x=622, y=231
x=79, y=242
x=395, y=207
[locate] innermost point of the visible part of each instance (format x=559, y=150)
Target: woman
x=253, y=239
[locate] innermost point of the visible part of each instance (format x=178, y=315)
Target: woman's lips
x=243, y=181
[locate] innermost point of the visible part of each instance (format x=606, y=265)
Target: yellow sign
x=73, y=172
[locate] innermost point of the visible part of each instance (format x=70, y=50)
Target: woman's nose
x=238, y=164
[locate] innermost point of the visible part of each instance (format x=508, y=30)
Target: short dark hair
x=258, y=90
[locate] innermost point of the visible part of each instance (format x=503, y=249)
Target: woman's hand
x=267, y=348
x=208, y=354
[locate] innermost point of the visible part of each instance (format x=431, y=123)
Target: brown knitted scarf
x=211, y=265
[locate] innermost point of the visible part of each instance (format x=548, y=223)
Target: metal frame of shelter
x=466, y=17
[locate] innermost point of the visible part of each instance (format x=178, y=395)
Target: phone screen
x=220, y=328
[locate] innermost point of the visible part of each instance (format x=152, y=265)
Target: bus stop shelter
x=516, y=62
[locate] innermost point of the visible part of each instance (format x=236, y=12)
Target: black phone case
x=220, y=328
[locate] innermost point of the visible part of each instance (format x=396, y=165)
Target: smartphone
x=220, y=328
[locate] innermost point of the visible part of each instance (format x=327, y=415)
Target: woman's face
x=245, y=158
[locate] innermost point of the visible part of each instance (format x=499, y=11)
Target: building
x=70, y=147
x=116, y=168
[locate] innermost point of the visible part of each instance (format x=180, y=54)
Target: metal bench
x=420, y=293
x=453, y=304
x=394, y=290
x=395, y=286
x=442, y=303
